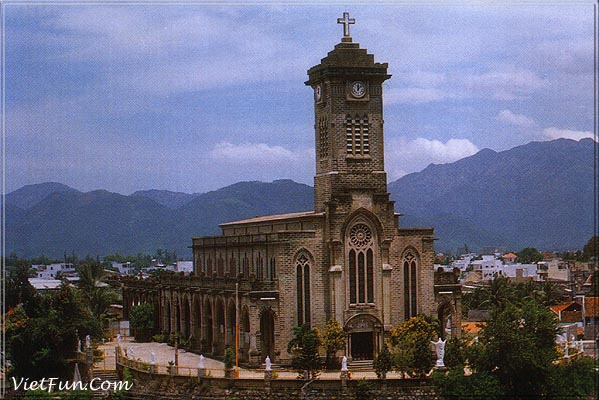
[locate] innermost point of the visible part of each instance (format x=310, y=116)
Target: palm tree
x=96, y=293
x=501, y=292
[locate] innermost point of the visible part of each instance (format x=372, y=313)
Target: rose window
x=360, y=235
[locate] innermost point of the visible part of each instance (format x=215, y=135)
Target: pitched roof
x=276, y=217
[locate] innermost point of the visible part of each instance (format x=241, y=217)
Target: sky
x=193, y=96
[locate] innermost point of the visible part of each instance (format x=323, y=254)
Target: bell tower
x=348, y=108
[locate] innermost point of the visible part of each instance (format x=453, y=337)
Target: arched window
x=302, y=266
x=232, y=266
x=245, y=266
x=361, y=265
x=273, y=269
x=410, y=283
x=220, y=265
x=259, y=267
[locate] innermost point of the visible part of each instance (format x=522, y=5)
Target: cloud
x=556, y=133
x=414, y=95
x=508, y=117
x=253, y=153
x=503, y=84
x=406, y=156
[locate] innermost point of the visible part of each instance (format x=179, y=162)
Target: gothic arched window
x=302, y=266
x=361, y=265
x=410, y=283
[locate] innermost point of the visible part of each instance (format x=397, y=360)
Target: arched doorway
x=267, y=333
x=364, y=336
x=167, y=316
x=244, y=334
x=444, y=314
x=220, y=327
x=185, y=328
x=207, y=327
x=177, y=316
x=231, y=320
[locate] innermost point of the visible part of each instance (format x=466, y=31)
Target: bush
x=383, y=362
x=576, y=379
x=142, y=321
x=304, y=346
x=454, y=385
x=363, y=388
x=229, y=359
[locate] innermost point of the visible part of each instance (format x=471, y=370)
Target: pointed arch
x=410, y=264
x=303, y=266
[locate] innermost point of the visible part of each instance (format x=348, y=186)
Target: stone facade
x=348, y=259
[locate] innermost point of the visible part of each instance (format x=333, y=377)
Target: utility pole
x=237, y=329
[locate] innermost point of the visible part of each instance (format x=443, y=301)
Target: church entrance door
x=362, y=346
x=364, y=334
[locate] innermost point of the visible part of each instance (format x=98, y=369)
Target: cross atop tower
x=346, y=21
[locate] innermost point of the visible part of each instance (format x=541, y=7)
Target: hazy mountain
x=28, y=196
x=101, y=222
x=166, y=197
x=539, y=194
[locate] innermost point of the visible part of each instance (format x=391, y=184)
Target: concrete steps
x=361, y=365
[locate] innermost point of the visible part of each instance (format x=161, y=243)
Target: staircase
x=361, y=365
x=106, y=375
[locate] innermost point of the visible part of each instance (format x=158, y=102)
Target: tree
x=334, y=340
x=529, y=255
x=410, y=343
x=18, y=288
x=304, y=346
x=141, y=319
x=518, y=347
x=500, y=293
x=591, y=248
x=383, y=362
x=97, y=294
x=41, y=341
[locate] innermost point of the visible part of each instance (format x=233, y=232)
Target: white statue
x=78, y=345
x=268, y=363
x=131, y=354
x=440, y=349
x=344, y=363
x=201, y=364
x=118, y=339
x=87, y=342
x=152, y=358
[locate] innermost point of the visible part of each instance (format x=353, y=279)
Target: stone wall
x=152, y=386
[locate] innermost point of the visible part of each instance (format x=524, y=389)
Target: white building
x=52, y=270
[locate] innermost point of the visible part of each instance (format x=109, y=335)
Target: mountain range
x=538, y=195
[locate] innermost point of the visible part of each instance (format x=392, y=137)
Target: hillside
x=539, y=194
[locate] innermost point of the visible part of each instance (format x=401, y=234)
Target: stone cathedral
x=348, y=259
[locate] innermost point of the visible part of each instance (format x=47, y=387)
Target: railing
x=253, y=374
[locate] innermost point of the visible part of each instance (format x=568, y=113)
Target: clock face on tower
x=318, y=92
x=358, y=89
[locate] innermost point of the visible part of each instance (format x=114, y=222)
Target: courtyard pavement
x=188, y=362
